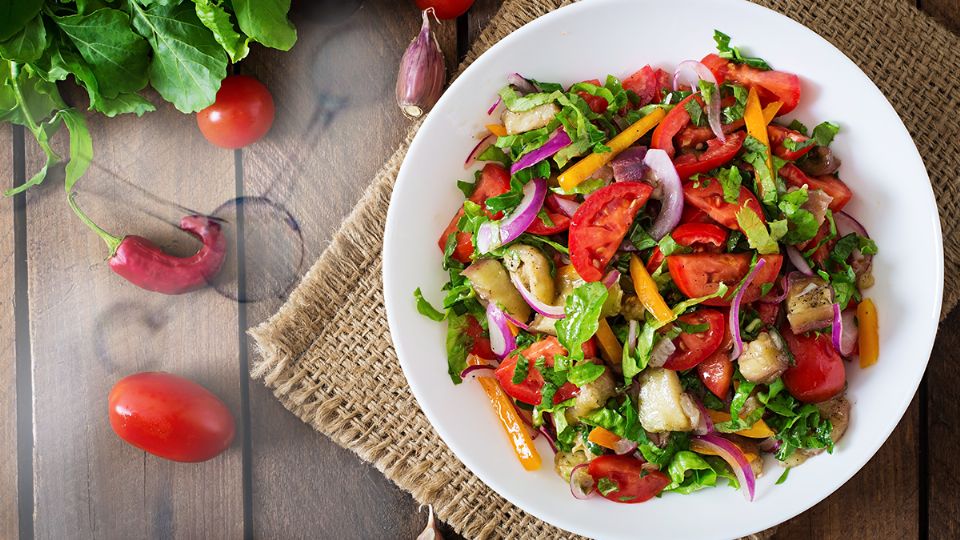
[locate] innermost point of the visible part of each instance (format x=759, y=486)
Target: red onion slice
x=735, y=310
x=713, y=108
x=672, y=199
x=516, y=323
x=850, y=332
x=472, y=369
x=836, y=330
x=549, y=438
x=478, y=149
x=733, y=456
x=549, y=148
x=575, y=488
x=785, y=286
x=521, y=83
x=494, y=106
x=553, y=312
x=628, y=166
x=612, y=277
x=770, y=444
x=502, y=341
x=633, y=331
x=705, y=427
x=798, y=261
x=846, y=224
x=661, y=352
x=624, y=446
x=568, y=207
x=493, y=234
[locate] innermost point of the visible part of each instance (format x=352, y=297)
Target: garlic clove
x=430, y=532
x=423, y=72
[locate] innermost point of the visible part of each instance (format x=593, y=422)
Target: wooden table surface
x=70, y=328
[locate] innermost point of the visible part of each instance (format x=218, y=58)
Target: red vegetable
x=495, y=180
x=779, y=134
x=716, y=155
x=818, y=374
x=648, y=84
x=700, y=274
x=446, y=9
x=771, y=85
x=672, y=123
x=716, y=372
x=528, y=391
x=170, y=417
x=143, y=263
x=832, y=185
x=600, y=224
x=633, y=483
x=242, y=113
x=707, y=195
x=694, y=348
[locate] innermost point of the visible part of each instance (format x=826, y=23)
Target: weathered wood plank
x=8, y=355
x=89, y=328
x=943, y=426
x=947, y=11
x=337, y=120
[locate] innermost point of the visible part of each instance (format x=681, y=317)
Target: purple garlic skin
x=423, y=73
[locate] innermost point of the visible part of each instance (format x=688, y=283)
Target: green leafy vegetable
x=607, y=486
x=690, y=472
x=215, y=17
x=730, y=180
x=458, y=344
x=823, y=135
x=735, y=111
x=733, y=53
x=585, y=373
x=425, y=308
x=757, y=234
x=265, y=21
x=756, y=155
x=521, y=370
x=582, y=317
x=783, y=477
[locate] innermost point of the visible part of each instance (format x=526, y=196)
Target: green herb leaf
x=265, y=21
x=458, y=344
x=730, y=180
x=212, y=14
x=696, y=112
x=521, y=370
x=582, y=315
x=606, y=486
x=735, y=112
x=690, y=472
x=757, y=234
x=26, y=45
x=425, y=309
x=585, y=373
x=16, y=14
x=733, y=53
x=783, y=477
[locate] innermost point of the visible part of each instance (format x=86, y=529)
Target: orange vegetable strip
x=647, y=292
x=869, y=337
x=603, y=437
x=771, y=110
x=497, y=129
x=610, y=346
x=757, y=124
x=760, y=430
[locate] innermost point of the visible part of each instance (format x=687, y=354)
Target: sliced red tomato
x=600, y=224
x=648, y=84
x=494, y=180
x=633, y=484
x=481, y=343
x=672, y=123
x=692, y=214
x=691, y=136
x=768, y=312
x=700, y=274
x=560, y=220
x=707, y=195
x=771, y=85
x=716, y=155
x=779, y=134
x=701, y=236
x=822, y=252
x=818, y=374
x=596, y=103
x=528, y=391
x=716, y=372
x=832, y=185
x=695, y=347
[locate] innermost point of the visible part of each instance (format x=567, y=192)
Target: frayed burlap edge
x=327, y=351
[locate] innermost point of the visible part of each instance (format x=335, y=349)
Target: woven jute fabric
x=327, y=353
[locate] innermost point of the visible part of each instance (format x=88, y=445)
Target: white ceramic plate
x=590, y=39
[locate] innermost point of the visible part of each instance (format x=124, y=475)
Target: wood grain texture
x=943, y=426
x=947, y=11
x=337, y=120
x=8, y=357
x=89, y=328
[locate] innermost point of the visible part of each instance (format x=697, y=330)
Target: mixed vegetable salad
x=658, y=276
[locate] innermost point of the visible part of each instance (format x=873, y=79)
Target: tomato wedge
x=596, y=103
x=779, y=134
x=770, y=84
x=481, y=343
x=716, y=155
x=633, y=484
x=832, y=185
x=528, y=391
x=690, y=136
x=648, y=84
x=600, y=224
x=700, y=274
x=672, y=123
x=494, y=180
x=716, y=372
x=560, y=220
x=701, y=236
x=695, y=347
x=818, y=374
x=707, y=195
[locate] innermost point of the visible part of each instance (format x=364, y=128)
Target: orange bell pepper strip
x=516, y=431
x=760, y=430
x=756, y=124
x=603, y=437
x=771, y=110
x=610, y=347
x=497, y=129
x=647, y=292
x=588, y=165
x=869, y=337
x=701, y=449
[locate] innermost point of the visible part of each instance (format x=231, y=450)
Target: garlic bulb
x=423, y=73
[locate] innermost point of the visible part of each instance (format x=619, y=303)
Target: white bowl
x=590, y=39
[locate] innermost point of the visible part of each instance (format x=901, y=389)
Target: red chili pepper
x=146, y=265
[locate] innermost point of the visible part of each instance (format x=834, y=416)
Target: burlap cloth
x=327, y=353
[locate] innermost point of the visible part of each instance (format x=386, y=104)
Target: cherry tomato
x=700, y=274
x=716, y=155
x=716, y=372
x=481, y=343
x=528, y=391
x=771, y=85
x=832, y=185
x=707, y=195
x=495, y=180
x=170, y=417
x=242, y=113
x=818, y=374
x=696, y=347
x=601, y=222
x=560, y=220
x=446, y=9
x=596, y=103
x=634, y=485
x=648, y=84
x=701, y=237
x=779, y=134
x=672, y=123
